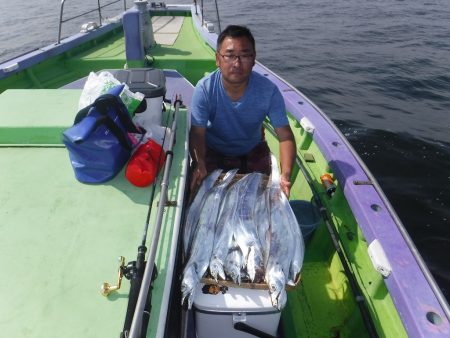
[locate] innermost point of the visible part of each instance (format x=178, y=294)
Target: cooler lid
x=232, y=299
x=150, y=82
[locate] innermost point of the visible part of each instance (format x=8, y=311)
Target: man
x=228, y=110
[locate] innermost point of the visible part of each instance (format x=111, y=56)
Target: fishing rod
x=359, y=297
x=135, y=270
x=139, y=316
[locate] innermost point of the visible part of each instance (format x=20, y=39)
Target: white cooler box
x=216, y=314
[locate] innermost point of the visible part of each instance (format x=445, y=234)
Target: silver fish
x=279, y=204
x=261, y=214
x=283, y=242
x=202, y=243
x=245, y=229
x=297, y=238
x=193, y=213
x=188, y=284
x=276, y=281
x=224, y=232
x=233, y=264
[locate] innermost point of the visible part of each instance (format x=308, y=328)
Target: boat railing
x=98, y=9
x=202, y=13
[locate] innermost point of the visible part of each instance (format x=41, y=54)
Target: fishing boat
x=59, y=238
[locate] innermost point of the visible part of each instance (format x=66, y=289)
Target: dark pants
x=257, y=160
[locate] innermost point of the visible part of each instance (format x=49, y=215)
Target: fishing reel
x=107, y=288
x=129, y=271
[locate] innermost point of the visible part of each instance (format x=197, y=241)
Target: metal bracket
x=239, y=317
x=169, y=204
x=362, y=182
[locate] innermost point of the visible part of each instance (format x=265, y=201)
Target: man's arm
x=287, y=156
x=197, y=149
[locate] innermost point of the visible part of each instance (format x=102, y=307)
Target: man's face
x=235, y=59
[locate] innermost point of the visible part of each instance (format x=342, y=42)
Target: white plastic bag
x=98, y=84
x=159, y=134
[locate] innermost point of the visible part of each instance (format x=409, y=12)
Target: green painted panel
x=36, y=116
x=61, y=239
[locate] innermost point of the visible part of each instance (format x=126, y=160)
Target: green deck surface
x=189, y=55
x=60, y=240
x=36, y=116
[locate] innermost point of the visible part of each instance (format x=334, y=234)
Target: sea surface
x=379, y=69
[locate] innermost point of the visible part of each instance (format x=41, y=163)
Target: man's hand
x=287, y=157
x=285, y=184
x=197, y=150
x=198, y=174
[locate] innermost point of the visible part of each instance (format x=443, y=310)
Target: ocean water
x=379, y=69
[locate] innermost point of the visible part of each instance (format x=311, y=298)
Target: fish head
x=189, y=281
x=282, y=300
x=235, y=274
x=216, y=269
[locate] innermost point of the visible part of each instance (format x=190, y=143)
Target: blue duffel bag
x=99, y=142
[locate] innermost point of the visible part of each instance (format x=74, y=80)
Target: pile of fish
x=242, y=232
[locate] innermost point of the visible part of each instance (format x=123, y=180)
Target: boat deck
x=37, y=116
x=196, y=57
x=61, y=238
x=188, y=54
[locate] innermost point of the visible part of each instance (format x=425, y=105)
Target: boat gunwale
x=28, y=59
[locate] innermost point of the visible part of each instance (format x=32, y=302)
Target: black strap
x=102, y=104
x=82, y=114
x=106, y=101
x=115, y=129
x=241, y=326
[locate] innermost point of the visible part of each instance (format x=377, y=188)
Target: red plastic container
x=145, y=164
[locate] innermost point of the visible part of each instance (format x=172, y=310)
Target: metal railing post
x=98, y=9
x=60, y=21
x=99, y=12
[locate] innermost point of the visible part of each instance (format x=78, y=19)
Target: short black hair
x=235, y=31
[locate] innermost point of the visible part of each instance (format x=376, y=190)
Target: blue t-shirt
x=234, y=128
